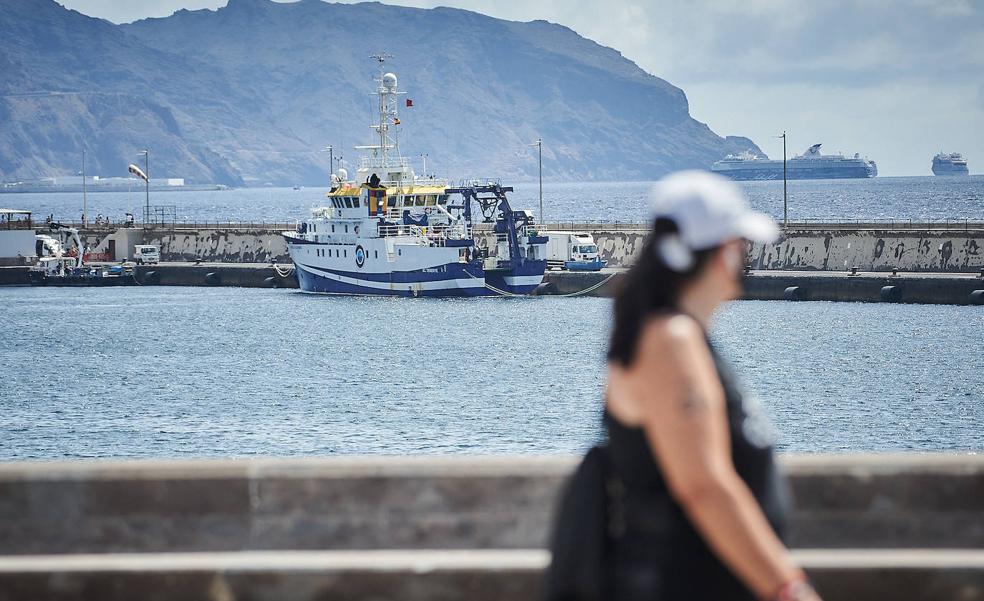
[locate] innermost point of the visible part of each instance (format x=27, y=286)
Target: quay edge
x=919, y=288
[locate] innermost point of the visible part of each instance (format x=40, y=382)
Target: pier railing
x=589, y=226
x=802, y=224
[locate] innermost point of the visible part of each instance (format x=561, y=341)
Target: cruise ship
x=950, y=163
x=809, y=165
x=392, y=232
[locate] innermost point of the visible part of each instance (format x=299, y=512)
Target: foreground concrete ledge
x=463, y=466
x=448, y=502
x=445, y=465
x=422, y=561
x=395, y=560
x=437, y=575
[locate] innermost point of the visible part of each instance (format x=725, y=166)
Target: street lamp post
x=424, y=158
x=85, y=197
x=785, y=188
x=539, y=148
x=145, y=153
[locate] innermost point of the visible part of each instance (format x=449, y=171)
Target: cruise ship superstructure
x=392, y=232
x=812, y=164
x=950, y=163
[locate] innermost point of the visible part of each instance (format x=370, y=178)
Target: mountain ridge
x=249, y=93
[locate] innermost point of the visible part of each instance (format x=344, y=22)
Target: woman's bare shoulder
x=673, y=330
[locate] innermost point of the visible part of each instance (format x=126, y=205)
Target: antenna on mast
x=387, y=92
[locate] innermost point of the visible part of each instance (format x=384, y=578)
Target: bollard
x=794, y=293
x=977, y=297
x=213, y=279
x=854, y=271
x=891, y=294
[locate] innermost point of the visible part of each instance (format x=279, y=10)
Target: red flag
x=409, y=102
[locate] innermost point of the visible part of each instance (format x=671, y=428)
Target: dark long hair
x=648, y=287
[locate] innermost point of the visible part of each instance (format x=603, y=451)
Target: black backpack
x=580, y=533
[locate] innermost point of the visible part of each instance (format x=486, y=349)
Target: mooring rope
x=289, y=270
x=587, y=290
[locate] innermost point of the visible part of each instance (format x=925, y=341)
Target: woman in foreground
x=693, y=502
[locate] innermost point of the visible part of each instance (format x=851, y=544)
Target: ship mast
x=387, y=113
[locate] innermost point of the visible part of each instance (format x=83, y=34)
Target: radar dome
x=389, y=81
x=342, y=175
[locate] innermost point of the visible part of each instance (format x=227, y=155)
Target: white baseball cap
x=709, y=210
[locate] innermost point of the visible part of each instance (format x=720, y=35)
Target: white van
x=146, y=254
x=575, y=251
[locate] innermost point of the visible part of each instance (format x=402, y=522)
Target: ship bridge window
x=408, y=200
x=391, y=201
x=421, y=199
x=431, y=200
x=348, y=202
x=442, y=199
x=355, y=202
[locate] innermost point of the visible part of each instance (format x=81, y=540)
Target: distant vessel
x=809, y=165
x=392, y=232
x=95, y=183
x=950, y=163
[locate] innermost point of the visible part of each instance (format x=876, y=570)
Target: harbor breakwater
x=932, y=248
x=903, y=527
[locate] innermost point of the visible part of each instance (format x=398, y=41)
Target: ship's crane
x=72, y=233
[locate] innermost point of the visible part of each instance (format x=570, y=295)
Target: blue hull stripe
x=454, y=279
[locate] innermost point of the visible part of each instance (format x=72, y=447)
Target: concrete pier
x=903, y=527
x=935, y=247
x=929, y=288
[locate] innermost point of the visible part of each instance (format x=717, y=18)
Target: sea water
x=202, y=372
x=900, y=198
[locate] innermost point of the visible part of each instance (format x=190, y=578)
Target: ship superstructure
x=812, y=164
x=950, y=163
x=389, y=231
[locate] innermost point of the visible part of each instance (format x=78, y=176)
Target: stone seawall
x=839, y=250
x=939, y=251
x=227, y=245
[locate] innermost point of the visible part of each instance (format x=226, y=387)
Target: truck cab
x=146, y=254
x=575, y=251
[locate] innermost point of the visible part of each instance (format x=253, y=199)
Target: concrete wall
x=872, y=250
x=16, y=246
x=220, y=245
x=877, y=501
x=904, y=527
x=868, y=250
x=808, y=250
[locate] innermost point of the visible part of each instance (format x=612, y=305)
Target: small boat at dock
x=59, y=266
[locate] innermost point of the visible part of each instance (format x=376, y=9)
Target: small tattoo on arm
x=693, y=402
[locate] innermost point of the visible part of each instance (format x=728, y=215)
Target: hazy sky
x=896, y=80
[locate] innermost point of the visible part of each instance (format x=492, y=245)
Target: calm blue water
x=879, y=198
x=165, y=372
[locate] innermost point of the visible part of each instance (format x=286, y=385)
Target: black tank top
x=655, y=552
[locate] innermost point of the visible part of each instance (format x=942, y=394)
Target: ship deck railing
x=435, y=235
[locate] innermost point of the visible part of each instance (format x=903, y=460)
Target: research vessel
x=392, y=232
x=950, y=163
x=812, y=164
